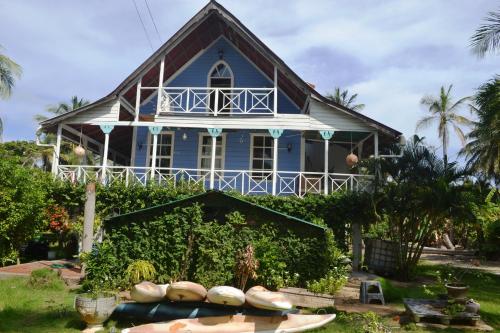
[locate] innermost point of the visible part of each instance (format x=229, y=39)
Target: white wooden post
x=133, y=148
x=216, y=103
x=138, y=100
x=160, y=86
x=214, y=132
x=106, y=129
x=275, y=133
x=57, y=150
x=275, y=100
x=326, y=135
x=155, y=130
x=356, y=246
x=375, y=139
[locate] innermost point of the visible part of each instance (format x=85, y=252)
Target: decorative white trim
x=223, y=148
x=180, y=70
x=148, y=151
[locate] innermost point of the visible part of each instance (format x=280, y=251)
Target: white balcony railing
x=242, y=181
x=216, y=101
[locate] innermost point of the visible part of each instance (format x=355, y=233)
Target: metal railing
x=243, y=181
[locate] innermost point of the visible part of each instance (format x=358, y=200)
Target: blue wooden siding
x=245, y=75
x=237, y=155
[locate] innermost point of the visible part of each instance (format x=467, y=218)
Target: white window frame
x=209, y=78
x=150, y=143
x=223, y=148
x=250, y=168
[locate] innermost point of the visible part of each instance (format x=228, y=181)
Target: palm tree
x=483, y=151
x=445, y=112
x=63, y=107
x=343, y=98
x=487, y=36
x=9, y=72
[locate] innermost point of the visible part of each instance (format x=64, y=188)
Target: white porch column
x=134, y=146
x=275, y=100
x=154, y=130
x=160, y=86
x=326, y=135
x=138, y=100
x=214, y=132
x=275, y=133
x=106, y=129
x=57, y=150
x=375, y=139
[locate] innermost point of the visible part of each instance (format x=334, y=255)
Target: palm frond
x=487, y=36
x=424, y=122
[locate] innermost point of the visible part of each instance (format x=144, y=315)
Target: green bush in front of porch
x=184, y=245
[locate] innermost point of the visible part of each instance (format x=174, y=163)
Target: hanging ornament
x=351, y=159
x=79, y=150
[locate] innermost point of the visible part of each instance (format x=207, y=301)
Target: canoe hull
x=238, y=324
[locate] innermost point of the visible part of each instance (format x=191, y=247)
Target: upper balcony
x=215, y=101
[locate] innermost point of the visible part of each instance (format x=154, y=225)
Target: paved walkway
x=463, y=262
x=68, y=274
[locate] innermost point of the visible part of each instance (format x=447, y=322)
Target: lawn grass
x=24, y=308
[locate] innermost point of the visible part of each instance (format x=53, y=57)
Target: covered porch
x=248, y=161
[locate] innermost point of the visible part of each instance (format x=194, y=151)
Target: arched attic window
x=221, y=76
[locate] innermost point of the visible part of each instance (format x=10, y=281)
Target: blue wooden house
x=216, y=106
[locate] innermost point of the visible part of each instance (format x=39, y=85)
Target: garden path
x=459, y=261
x=69, y=274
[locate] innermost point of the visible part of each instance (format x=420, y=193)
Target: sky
x=390, y=52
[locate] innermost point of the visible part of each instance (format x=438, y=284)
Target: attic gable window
x=220, y=76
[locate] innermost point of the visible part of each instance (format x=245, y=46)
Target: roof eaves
x=389, y=130
x=72, y=113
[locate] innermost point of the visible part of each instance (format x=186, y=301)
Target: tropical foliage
x=483, y=148
x=10, y=71
x=487, y=36
x=63, y=107
x=343, y=98
x=189, y=245
x=444, y=111
x=23, y=198
x=417, y=194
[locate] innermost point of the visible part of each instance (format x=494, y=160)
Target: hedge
x=182, y=244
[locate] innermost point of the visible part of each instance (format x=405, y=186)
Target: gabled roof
x=215, y=199
x=209, y=23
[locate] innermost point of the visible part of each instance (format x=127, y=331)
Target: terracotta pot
x=457, y=290
x=95, y=310
x=351, y=159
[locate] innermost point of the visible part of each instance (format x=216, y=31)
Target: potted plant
x=452, y=281
x=95, y=306
x=98, y=301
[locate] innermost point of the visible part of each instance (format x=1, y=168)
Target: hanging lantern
x=79, y=151
x=351, y=159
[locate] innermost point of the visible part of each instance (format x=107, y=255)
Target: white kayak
x=186, y=291
x=148, y=292
x=237, y=324
x=262, y=298
x=226, y=295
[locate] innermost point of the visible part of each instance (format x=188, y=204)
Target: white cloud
x=390, y=52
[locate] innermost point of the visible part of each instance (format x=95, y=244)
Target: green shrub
x=23, y=200
x=45, y=278
x=335, y=279
x=140, y=270
x=183, y=245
